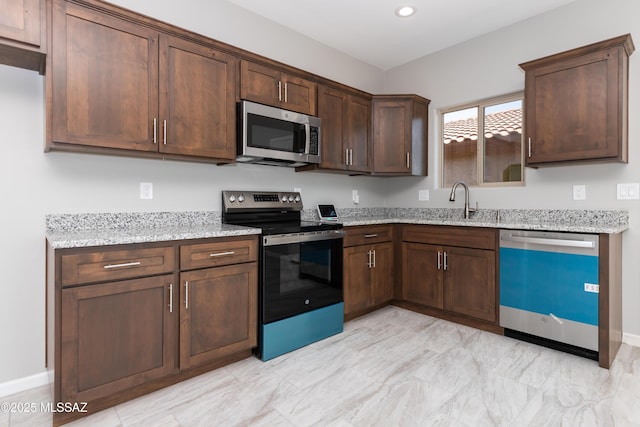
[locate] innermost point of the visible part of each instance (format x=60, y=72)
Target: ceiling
x=370, y=31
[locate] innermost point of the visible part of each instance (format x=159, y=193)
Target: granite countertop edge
x=65, y=240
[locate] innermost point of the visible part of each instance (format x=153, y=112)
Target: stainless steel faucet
x=452, y=198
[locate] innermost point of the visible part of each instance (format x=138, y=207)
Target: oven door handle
x=311, y=236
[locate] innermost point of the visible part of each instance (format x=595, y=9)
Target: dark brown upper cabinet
x=576, y=105
x=271, y=86
x=400, y=124
x=346, y=129
x=23, y=34
x=122, y=87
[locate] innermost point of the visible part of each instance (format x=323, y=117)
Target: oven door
x=300, y=272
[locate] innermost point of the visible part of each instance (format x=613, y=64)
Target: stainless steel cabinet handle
x=439, y=260
x=445, y=261
x=408, y=164
x=222, y=253
x=165, y=132
x=126, y=264
x=350, y=156
x=346, y=157
x=279, y=91
x=374, y=258
x=155, y=130
x=369, y=236
x=186, y=295
x=286, y=98
x=171, y=298
x=529, y=147
x=369, y=259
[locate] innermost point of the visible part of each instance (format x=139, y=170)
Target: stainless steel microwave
x=273, y=136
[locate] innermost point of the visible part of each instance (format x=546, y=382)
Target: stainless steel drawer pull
x=126, y=264
x=369, y=236
x=445, y=261
x=222, y=253
x=550, y=242
x=171, y=298
x=439, y=260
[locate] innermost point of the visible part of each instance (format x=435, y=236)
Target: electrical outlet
x=355, y=196
x=579, y=192
x=146, y=190
x=423, y=195
x=592, y=287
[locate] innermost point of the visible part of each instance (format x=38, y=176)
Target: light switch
x=355, y=196
x=629, y=191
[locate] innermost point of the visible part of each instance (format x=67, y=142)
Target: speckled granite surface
x=82, y=230
x=577, y=221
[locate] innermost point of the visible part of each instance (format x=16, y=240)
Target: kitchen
x=36, y=184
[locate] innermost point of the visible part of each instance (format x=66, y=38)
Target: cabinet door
x=422, y=274
x=391, y=136
x=199, y=110
x=332, y=112
x=219, y=313
x=573, y=109
x=382, y=274
x=298, y=94
x=356, y=278
x=116, y=335
x=470, y=283
x=260, y=84
x=105, y=82
x=357, y=132
x=20, y=21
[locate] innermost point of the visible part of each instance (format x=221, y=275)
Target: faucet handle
x=474, y=209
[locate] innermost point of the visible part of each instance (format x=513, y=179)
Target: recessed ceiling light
x=406, y=11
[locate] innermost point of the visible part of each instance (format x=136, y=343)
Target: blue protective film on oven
x=295, y=332
x=549, y=282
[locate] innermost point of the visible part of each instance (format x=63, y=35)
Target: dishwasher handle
x=549, y=241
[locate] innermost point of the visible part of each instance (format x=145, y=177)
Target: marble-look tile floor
x=392, y=367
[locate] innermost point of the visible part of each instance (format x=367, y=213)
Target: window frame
x=481, y=105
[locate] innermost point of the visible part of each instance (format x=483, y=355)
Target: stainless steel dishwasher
x=549, y=289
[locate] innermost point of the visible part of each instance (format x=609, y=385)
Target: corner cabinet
x=452, y=272
x=400, y=130
x=368, y=268
x=576, y=105
x=346, y=129
x=125, y=320
x=117, y=86
x=271, y=86
x=23, y=39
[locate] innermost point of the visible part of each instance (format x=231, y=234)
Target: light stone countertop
x=100, y=229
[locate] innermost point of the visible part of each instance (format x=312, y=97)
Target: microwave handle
x=307, y=137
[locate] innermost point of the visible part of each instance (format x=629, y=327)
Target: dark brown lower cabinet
x=219, y=313
x=116, y=335
x=456, y=281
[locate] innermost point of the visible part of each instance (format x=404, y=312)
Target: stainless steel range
x=300, y=287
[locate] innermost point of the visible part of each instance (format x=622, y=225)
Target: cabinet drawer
x=104, y=265
x=467, y=237
x=223, y=252
x=363, y=235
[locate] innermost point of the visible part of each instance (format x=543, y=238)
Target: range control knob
x=232, y=198
x=297, y=199
x=284, y=199
x=240, y=198
x=290, y=199
x=306, y=302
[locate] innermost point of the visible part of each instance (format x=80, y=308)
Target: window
x=482, y=142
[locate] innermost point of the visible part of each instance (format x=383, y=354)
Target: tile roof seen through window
x=501, y=123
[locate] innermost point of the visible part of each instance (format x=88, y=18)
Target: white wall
x=33, y=183
x=488, y=66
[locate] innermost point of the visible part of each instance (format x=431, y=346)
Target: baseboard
x=22, y=384
x=631, y=339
